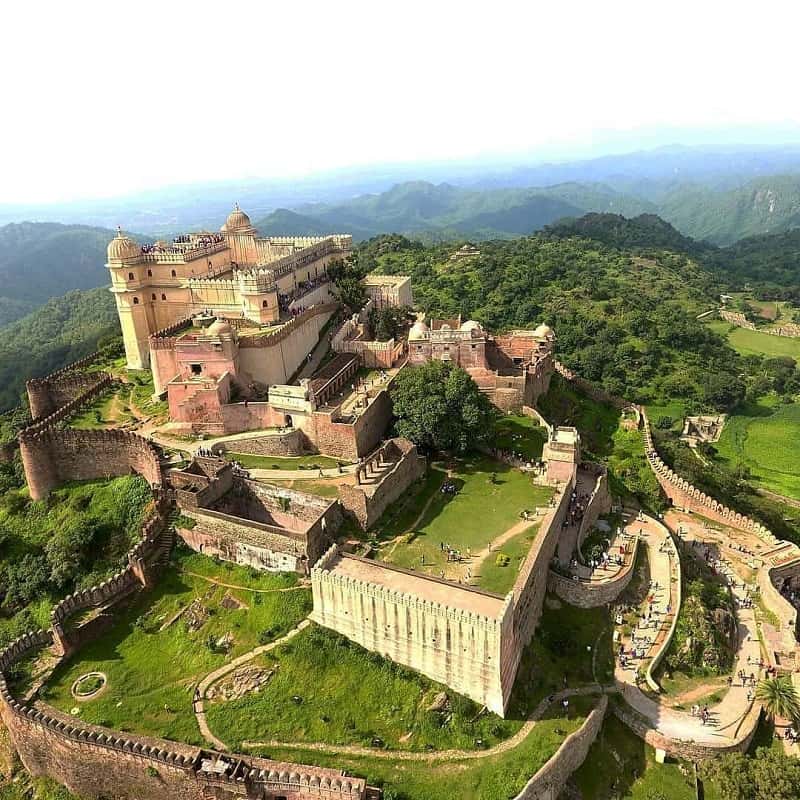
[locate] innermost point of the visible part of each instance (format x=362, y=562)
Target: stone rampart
x=292, y=442
x=367, y=501
x=790, y=329
x=689, y=749
x=684, y=495
x=96, y=762
x=551, y=778
x=593, y=593
x=596, y=393
x=599, y=501
x=53, y=456
x=48, y=395
x=271, y=339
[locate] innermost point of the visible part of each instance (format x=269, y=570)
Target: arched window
x=149, y=273
x=136, y=301
x=174, y=274
x=152, y=297
x=130, y=276
x=163, y=297
x=263, y=304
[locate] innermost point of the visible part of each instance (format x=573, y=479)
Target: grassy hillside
x=62, y=330
x=40, y=260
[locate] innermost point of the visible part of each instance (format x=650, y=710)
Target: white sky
x=109, y=97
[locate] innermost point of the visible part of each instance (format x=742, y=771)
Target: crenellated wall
x=53, y=456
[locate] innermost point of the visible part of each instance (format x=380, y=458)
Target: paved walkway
x=204, y=685
x=726, y=717
x=441, y=755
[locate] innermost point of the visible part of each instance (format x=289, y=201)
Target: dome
x=471, y=325
x=122, y=246
x=543, y=332
x=237, y=219
x=419, y=330
x=219, y=328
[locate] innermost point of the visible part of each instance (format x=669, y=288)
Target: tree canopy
x=439, y=407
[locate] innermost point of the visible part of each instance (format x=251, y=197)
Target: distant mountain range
x=444, y=211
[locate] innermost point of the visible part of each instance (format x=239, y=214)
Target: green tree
x=439, y=407
x=779, y=698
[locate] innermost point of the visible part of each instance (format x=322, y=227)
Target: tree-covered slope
x=62, y=330
x=40, y=260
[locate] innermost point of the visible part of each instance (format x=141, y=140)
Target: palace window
x=130, y=276
x=136, y=301
x=152, y=297
x=263, y=304
x=196, y=368
x=163, y=297
x=174, y=274
x=149, y=273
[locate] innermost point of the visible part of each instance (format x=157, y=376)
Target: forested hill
x=62, y=330
x=624, y=319
x=40, y=260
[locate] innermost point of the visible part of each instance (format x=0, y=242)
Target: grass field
x=621, y=765
x=519, y=434
x=152, y=672
x=497, y=575
x=749, y=342
x=765, y=437
x=490, y=498
x=310, y=463
x=327, y=689
x=558, y=652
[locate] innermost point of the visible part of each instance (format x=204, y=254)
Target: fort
x=254, y=356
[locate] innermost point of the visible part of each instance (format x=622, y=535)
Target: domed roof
x=237, y=219
x=543, y=331
x=471, y=325
x=218, y=328
x=419, y=330
x=122, y=246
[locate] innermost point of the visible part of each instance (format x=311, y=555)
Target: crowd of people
x=285, y=299
x=197, y=241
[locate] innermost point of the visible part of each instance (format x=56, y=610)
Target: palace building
x=234, y=274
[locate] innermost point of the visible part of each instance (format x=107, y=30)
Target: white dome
x=471, y=325
x=419, y=330
x=543, y=332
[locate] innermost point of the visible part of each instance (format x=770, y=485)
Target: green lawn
x=490, y=498
x=621, y=765
x=520, y=434
x=496, y=777
x=765, y=437
x=327, y=689
x=749, y=342
x=311, y=463
x=151, y=672
x=497, y=574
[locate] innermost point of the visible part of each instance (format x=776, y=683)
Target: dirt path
x=473, y=564
x=198, y=703
x=690, y=695
x=441, y=755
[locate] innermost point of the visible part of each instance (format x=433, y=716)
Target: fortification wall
x=592, y=593
x=95, y=762
x=274, y=358
x=688, y=749
x=54, y=456
x=456, y=647
x=551, y=778
x=790, y=329
x=685, y=495
x=47, y=395
x=368, y=502
x=293, y=442
x=599, y=501
x=594, y=392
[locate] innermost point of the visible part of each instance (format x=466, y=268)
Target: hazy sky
x=109, y=97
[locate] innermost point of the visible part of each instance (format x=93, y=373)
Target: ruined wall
x=551, y=778
x=95, y=762
x=54, y=456
x=368, y=502
x=589, y=389
x=448, y=644
x=293, y=442
x=789, y=329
